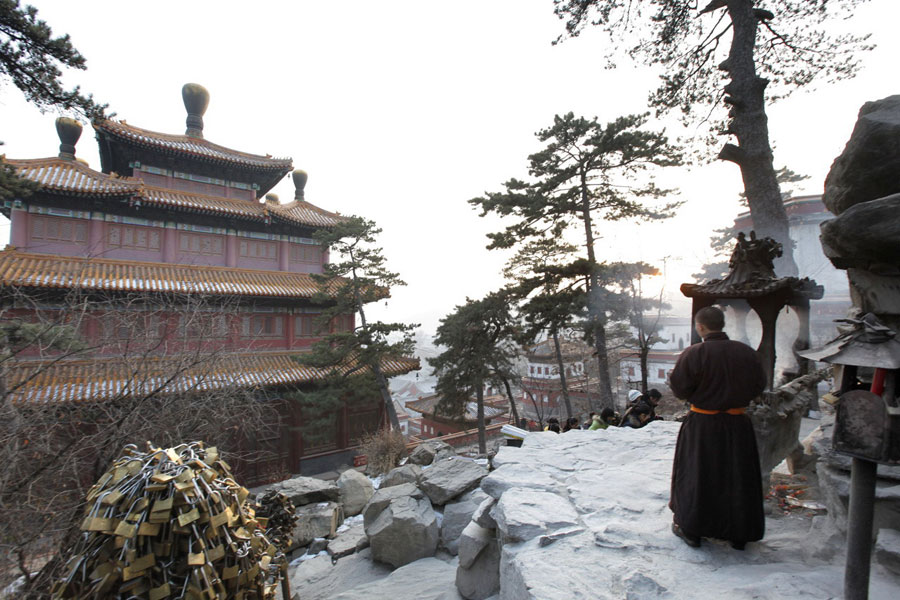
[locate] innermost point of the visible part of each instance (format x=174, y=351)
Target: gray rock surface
x=306, y=490
x=356, y=490
x=525, y=513
x=450, y=477
x=405, y=531
x=353, y=539
x=383, y=497
x=865, y=236
x=457, y=515
x=481, y=578
x=482, y=514
x=621, y=545
x=425, y=579
x=316, y=521
x=887, y=550
x=517, y=475
x=867, y=168
x=427, y=452
x=404, y=474
x=472, y=541
x=319, y=579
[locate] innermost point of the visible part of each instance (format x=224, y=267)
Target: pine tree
x=476, y=338
x=780, y=49
x=352, y=356
x=586, y=174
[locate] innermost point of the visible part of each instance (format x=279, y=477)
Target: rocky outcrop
x=450, y=477
x=457, y=515
x=383, y=497
x=405, y=474
x=316, y=521
x=306, y=490
x=430, y=451
x=867, y=168
x=425, y=579
x=350, y=540
x=355, y=491
x=322, y=579
x=478, y=575
x=405, y=531
x=523, y=513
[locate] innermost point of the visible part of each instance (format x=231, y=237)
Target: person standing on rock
x=716, y=479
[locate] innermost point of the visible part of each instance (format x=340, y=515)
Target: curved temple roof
x=191, y=147
x=33, y=382
x=47, y=271
x=61, y=176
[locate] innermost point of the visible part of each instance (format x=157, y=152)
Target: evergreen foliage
x=477, y=338
x=587, y=174
x=352, y=357
x=779, y=48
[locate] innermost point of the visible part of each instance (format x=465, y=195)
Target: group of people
x=716, y=489
x=640, y=410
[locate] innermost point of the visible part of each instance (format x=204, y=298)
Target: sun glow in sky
x=402, y=111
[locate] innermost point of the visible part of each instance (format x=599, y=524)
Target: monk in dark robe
x=716, y=479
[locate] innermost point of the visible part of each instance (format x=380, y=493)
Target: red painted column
x=290, y=330
x=283, y=255
x=18, y=228
x=96, y=234
x=170, y=243
x=231, y=248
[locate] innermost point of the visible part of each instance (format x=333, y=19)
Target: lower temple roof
x=105, y=379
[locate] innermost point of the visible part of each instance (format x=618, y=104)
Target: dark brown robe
x=716, y=480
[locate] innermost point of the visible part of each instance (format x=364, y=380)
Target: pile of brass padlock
x=171, y=523
x=281, y=517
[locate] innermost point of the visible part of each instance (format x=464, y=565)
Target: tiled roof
x=60, y=175
x=190, y=146
x=722, y=288
x=303, y=212
x=22, y=269
x=32, y=382
x=429, y=405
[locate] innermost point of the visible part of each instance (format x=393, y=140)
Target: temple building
x=541, y=384
x=177, y=221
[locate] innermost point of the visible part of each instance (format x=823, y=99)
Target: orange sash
x=730, y=411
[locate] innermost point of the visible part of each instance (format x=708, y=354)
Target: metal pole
x=859, y=529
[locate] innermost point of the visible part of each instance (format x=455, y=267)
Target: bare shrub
x=384, y=449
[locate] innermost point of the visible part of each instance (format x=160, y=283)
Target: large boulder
x=430, y=451
x=450, y=477
x=405, y=474
x=405, y=531
x=425, y=579
x=356, y=489
x=320, y=578
x=480, y=577
x=306, y=490
x=348, y=540
x=316, y=521
x=457, y=515
x=867, y=168
x=517, y=475
x=523, y=514
x=865, y=236
x=383, y=497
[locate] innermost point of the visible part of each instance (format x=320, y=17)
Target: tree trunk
x=595, y=305
x=482, y=436
x=512, y=402
x=644, y=351
x=379, y=375
x=562, y=375
x=386, y=397
x=745, y=94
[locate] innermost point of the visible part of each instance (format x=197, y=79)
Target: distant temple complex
x=177, y=218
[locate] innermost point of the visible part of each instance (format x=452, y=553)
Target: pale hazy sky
x=401, y=111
